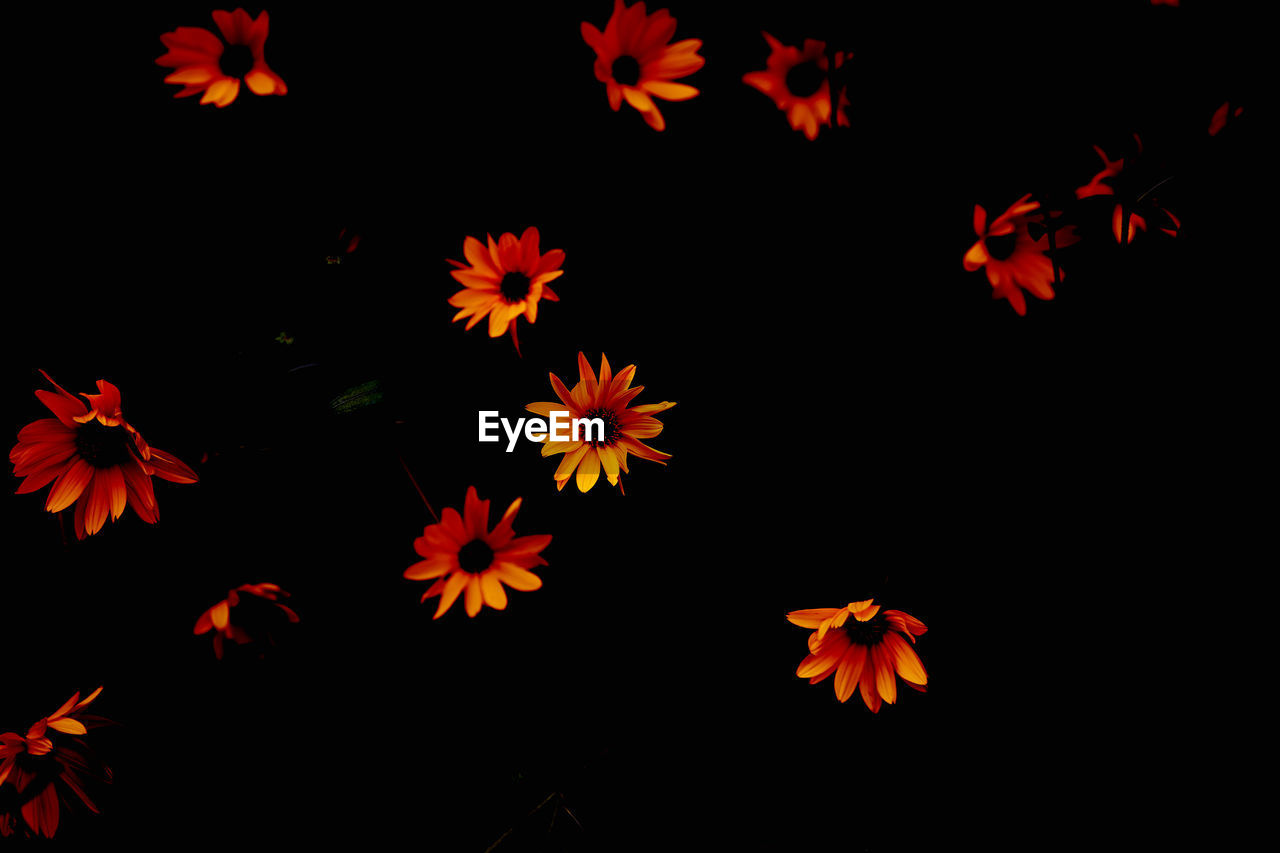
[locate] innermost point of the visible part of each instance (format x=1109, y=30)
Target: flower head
x=863, y=652
x=241, y=618
x=635, y=63
x=204, y=64
x=1111, y=180
x=797, y=81
x=94, y=457
x=504, y=280
x=461, y=553
x=1014, y=257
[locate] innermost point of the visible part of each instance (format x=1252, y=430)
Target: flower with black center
x=94, y=458
x=606, y=399
x=865, y=652
x=1115, y=180
x=460, y=554
x=1015, y=259
x=504, y=280
x=251, y=613
x=636, y=64
x=797, y=81
x=202, y=63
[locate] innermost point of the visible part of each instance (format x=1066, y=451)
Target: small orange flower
x=504, y=281
x=607, y=400
x=1014, y=259
x=796, y=79
x=248, y=627
x=864, y=652
x=461, y=553
x=635, y=63
x=204, y=65
x=94, y=458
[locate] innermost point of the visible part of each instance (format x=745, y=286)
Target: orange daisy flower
x=461, y=553
x=1112, y=170
x=504, y=281
x=796, y=79
x=635, y=63
x=864, y=652
x=251, y=623
x=204, y=64
x=94, y=458
x=1015, y=260
x=606, y=399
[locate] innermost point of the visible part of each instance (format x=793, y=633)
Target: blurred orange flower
x=636, y=64
x=461, y=553
x=1098, y=185
x=203, y=64
x=796, y=79
x=606, y=399
x=864, y=652
x=504, y=281
x=248, y=626
x=1014, y=259
x=94, y=458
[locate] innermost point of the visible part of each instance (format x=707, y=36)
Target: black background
x=1055, y=496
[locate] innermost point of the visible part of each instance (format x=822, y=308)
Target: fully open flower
x=1014, y=258
x=94, y=458
x=203, y=64
x=606, y=399
x=1110, y=180
x=504, y=280
x=864, y=652
x=797, y=81
x=242, y=617
x=460, y=554
x=635, y=63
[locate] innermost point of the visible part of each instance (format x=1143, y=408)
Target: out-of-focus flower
x=863, y=652
x=1220, y=116
x=636, y=64
x=1165, y=2
x=606, y=399
x=1014, y=259
x=203, y=64
x=797, y=81
x=241, y=618
x=1131, y=202
x=460, y=554
x=504, y=281
x=94, y=458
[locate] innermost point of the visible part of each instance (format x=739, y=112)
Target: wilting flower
x=797, y=81
x=1014, y=258
x=635, y=63
x=461, y=553
x=94, y=458
x=504, y=281
x=1113, y=171
x=607, y=400
x=49, y=761
x=203, y=64
x=242, y=617
x=864, y=652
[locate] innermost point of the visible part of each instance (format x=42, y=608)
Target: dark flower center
x=102, y=446
x=1002, y=247
x=626, y=71
x=805, y=79
x=515, y=286
x=611, y=428
x=237, y=60
x=867, y=633
x=475, y=556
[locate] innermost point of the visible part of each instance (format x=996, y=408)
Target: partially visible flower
x=1219, y=118
x=864, y=652
x=636, y=64
x=797, y=81
x=1104, y=183
x=607, y=400
x=1165, y=2
x=461, y=554
x=203, y=64
x=229, y=619
x=504, y=281
x=1014, y=259
x=94, y=457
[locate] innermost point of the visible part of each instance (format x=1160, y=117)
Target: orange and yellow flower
x=242, y=631
x=203, y=64
x=504, y=280
x=460, y=554
x=94, y=458
x=797, y=81
x=863, y=653
x=1015, y=260
x=636, y=64
x=606, y=399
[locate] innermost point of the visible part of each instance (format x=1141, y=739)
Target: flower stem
x=418, y=488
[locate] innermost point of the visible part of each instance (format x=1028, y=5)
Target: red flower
x=1112, y=171
x=1014, y=259
x=204, y=65
x=248, y=626
x=797, y=81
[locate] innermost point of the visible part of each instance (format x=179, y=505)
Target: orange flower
x=1014, y=259
x=635, y=63
x=250, y=625
x=504, y=281
x=94, y=458
x=865, y=652
x=461, y=553
x=607, y=400
x=1112, y=170
x=797, y=81
x=204, y=65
